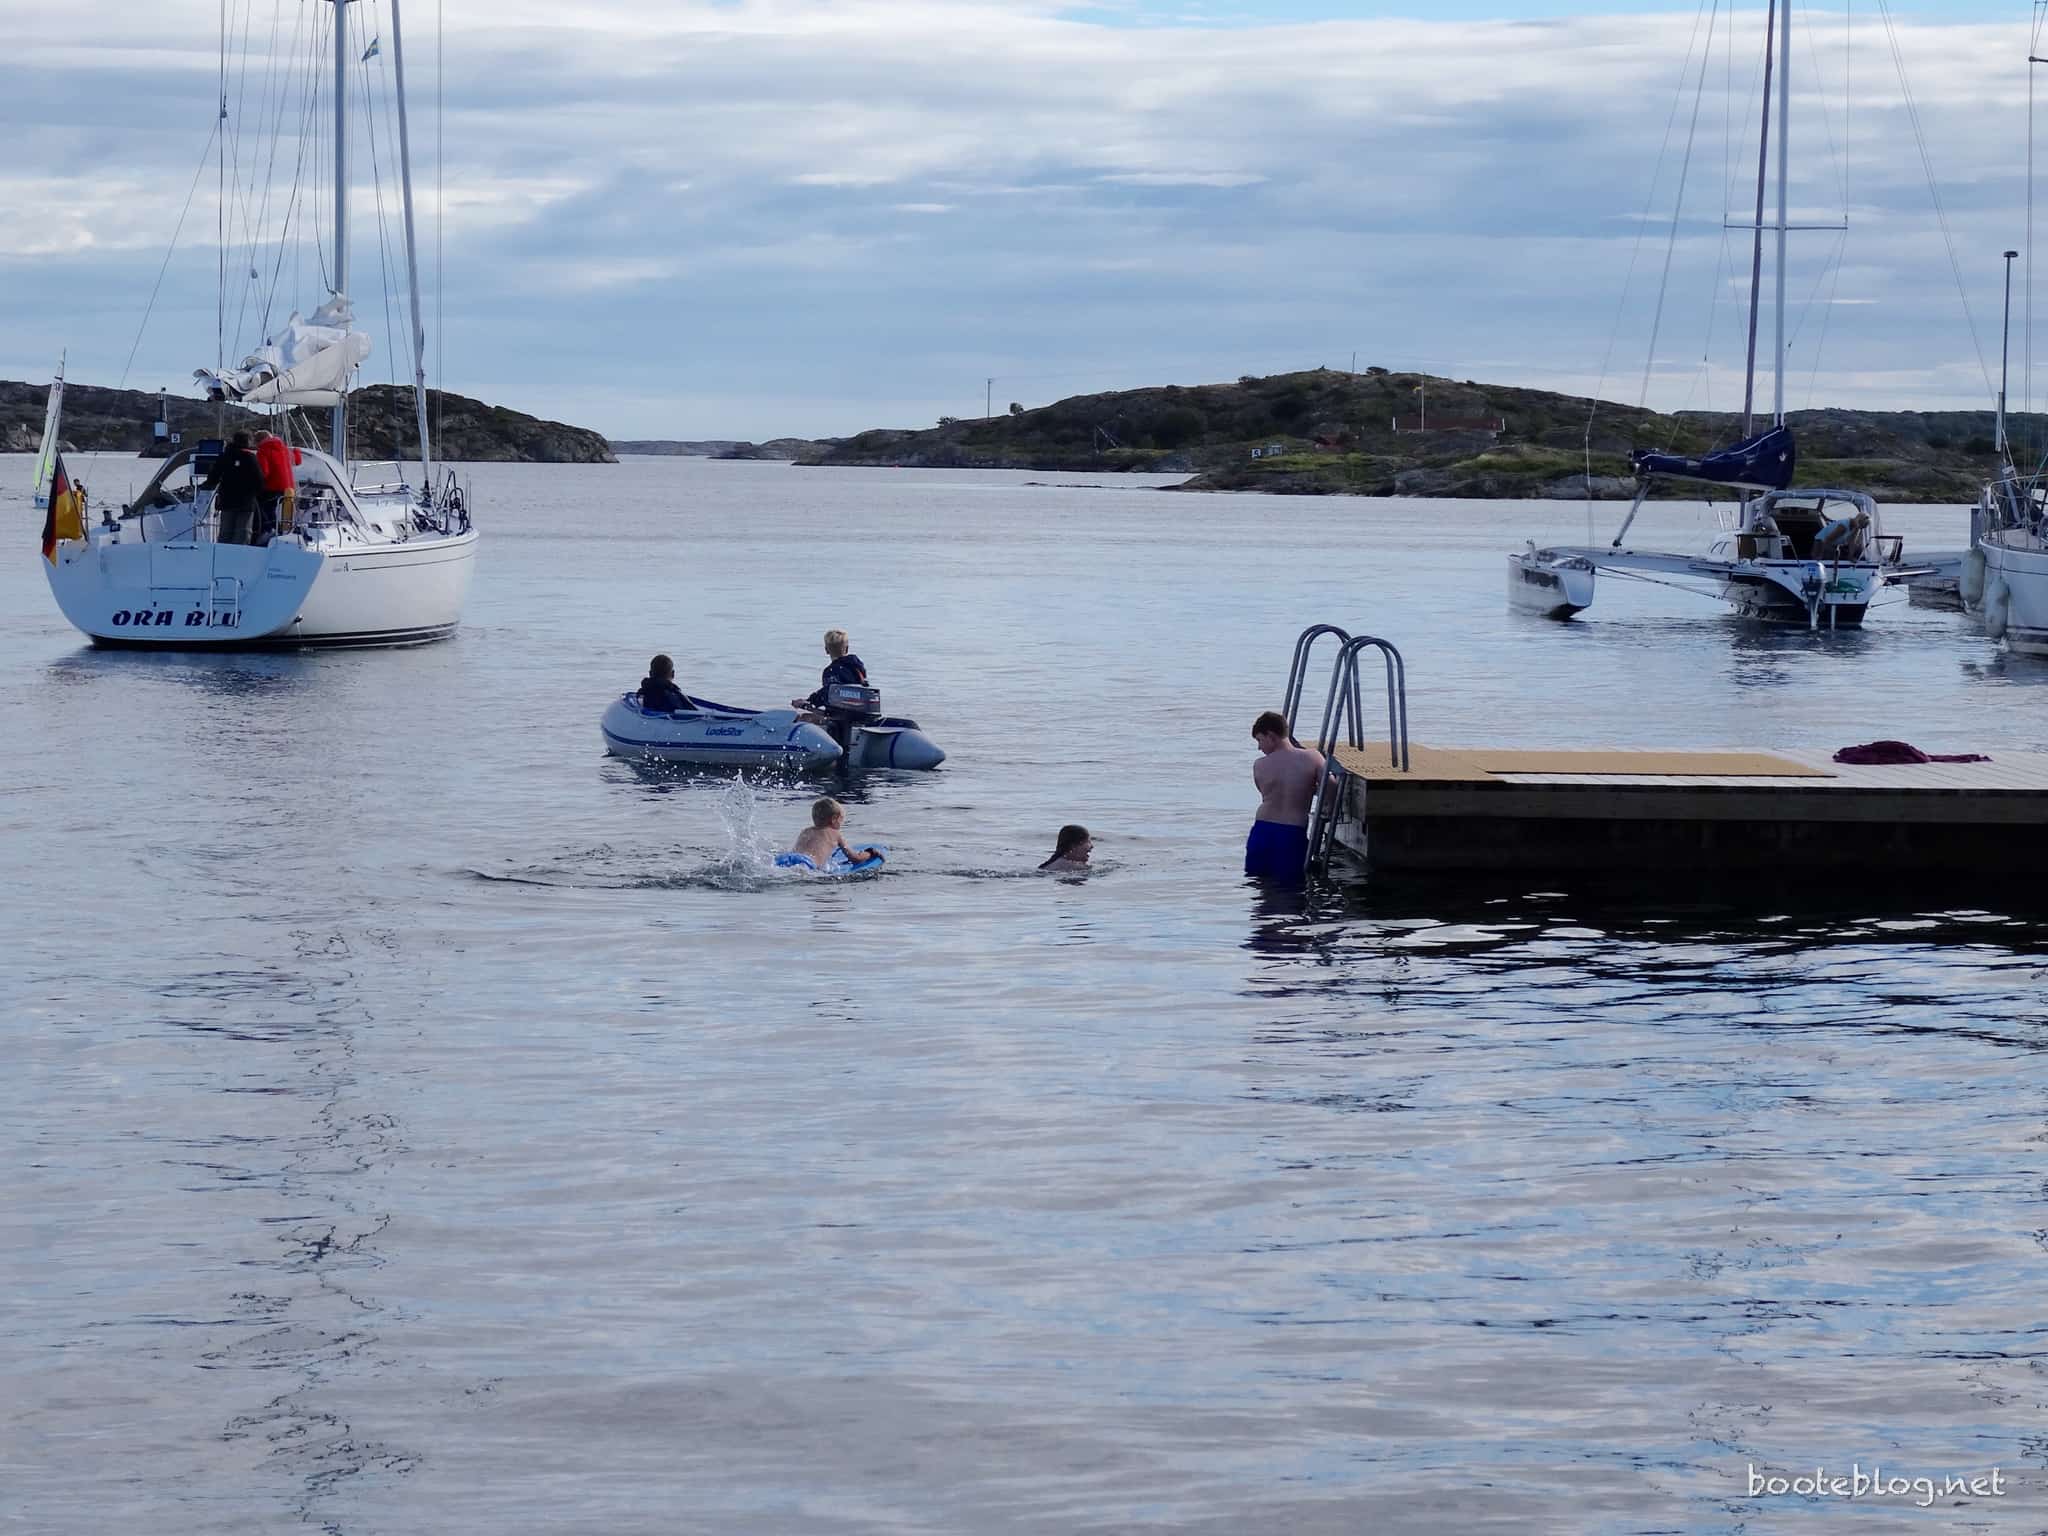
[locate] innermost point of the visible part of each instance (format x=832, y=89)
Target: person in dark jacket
x=844, y=667
x=236, y=483
x=658, y=690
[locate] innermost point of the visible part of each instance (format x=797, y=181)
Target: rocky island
x=787, y=450
x=1381, y=433
x=380, y=425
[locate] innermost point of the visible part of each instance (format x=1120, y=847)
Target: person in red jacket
x=274, y=461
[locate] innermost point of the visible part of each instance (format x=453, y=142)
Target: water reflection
x=216, y=674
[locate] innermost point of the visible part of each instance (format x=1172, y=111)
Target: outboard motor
x=848, y=705
x=853, y=714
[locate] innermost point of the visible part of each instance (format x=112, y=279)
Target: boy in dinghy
x=844, y=667
x=658, y=690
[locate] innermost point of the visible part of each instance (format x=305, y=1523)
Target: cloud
x=677, y=208
x=1184, y=178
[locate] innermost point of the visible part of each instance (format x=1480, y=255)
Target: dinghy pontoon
x=854, y=733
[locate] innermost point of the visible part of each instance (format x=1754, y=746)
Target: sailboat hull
x=2014, y=607
x=1765, y=602
x=199, y=595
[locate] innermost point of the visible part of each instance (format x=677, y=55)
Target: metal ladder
x=225, y=608
x=1344, y=711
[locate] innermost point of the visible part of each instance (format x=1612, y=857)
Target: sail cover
x=306, y=363
x=1761, y=463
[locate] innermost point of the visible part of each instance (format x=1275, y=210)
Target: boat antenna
x=337, y=440
x=412, y=264
x=1756, y=253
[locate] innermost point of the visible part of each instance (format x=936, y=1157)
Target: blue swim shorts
x=1277, y=850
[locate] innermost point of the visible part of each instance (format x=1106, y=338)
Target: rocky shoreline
x=1380, y=433
x=381, y=425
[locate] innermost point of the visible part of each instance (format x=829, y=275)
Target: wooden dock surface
x=1486, y=808
x=1731, y=768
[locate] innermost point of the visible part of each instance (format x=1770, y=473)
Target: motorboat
x=361, y=554
x=1554, y=586
x=850, y=731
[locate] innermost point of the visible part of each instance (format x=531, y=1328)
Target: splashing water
x=746, y=846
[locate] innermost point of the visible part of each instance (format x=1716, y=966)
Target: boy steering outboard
x=850, y=709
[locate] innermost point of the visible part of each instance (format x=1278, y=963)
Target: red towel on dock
x=1885, y=753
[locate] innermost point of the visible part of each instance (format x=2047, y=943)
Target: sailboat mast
x=338, y=437
x=1756, y=250
x=1784, y=171
x=412, y=261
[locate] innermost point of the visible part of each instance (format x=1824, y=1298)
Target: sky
x=663, y=218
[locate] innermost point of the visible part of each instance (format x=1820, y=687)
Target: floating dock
x=1409, y=809
x=1477, y=810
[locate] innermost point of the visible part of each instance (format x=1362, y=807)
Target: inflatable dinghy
x=856, y=734
x=839, y=864
x=716, y=737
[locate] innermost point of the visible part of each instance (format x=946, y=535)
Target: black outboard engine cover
x=853, y=701
x=848, y=705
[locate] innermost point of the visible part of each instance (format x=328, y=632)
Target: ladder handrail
x=1344, y=712
x=1344, y=691
x=1344, y=700
x=1297, y=671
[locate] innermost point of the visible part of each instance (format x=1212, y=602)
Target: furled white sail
x=46, y=455
x=306, y=363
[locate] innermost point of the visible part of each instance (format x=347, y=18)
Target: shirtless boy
x=1286, y=777
x=826, y=835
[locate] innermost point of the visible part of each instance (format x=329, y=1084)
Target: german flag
x=63, y=515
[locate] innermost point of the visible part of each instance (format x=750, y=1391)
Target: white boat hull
x=396, y=594
x=1552, y=588
x=2015, y=602
x=181, y=594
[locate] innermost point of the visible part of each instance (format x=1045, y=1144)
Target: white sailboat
x=2004, y=574
x=368, y=559
x=1814, y=556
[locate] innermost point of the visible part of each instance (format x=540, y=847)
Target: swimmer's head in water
x=827, y=812
x=661, y=666
x=836, y=643
x=1071, y=837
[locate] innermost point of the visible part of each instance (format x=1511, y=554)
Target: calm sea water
x=416, y=1122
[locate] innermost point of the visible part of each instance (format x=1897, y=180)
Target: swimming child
x=1070, y=852
x=826, y=835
